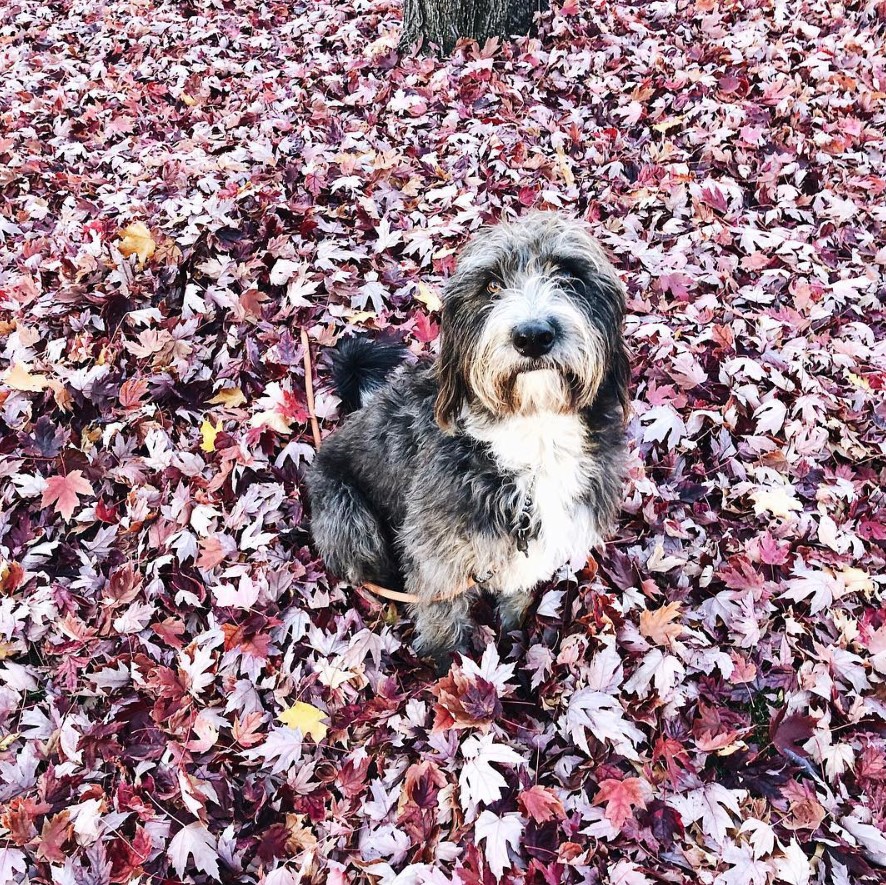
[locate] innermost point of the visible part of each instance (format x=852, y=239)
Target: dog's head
x=532, y=322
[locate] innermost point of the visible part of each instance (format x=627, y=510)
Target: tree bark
x=443, y=22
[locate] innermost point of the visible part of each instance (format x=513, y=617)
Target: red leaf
x=53, y=836
x=541, y=804
x=664, y=822
x=621, y=797
x=791, y=731
x=64, y=490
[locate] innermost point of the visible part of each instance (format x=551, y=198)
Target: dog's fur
x=426, y=484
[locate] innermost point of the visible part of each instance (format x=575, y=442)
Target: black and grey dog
x=502, y=460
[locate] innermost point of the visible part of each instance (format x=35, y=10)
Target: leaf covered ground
x=185, y=696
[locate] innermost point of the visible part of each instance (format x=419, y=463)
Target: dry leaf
x=307, y=718
x=230, y=398
x=658, y=624
x=19, y=377
x=136, y=239
x=208, y=432
x=64, y=490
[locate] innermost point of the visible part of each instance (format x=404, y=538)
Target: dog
x=498, y=463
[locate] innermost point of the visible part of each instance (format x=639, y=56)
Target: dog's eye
x=493, y=287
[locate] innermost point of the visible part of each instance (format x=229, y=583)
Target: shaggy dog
x=498, y=463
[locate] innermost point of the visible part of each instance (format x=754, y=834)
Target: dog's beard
x=566, y=383
x=539, y=390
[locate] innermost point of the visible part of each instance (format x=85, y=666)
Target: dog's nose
x=534, y=339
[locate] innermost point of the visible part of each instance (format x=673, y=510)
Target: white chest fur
x=547, y=453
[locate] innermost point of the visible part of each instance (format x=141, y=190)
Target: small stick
x=309, y=387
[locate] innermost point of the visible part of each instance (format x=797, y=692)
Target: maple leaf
x=664, y=670
x=871, y=839
x=788, y=732
x=625, y=872
x=499, y=834
x=56, y=831
x=12, y=861
x=282, y=748
x=307, y=718
x=621, y=798
x=778, y=500
x=805, y=812
x=663, y=423
x=230, y=398
x=245, y=729
x=136, y=239
x=745, y=868
x=664, y=822
x=464, y=700
x=541, y=804
x=132, y=391
x=19, y=377
x=197, y=662
x=428, y=297
x=214, y=549
x=478, y=780
x=658, y=624
x=770, y=416
x=819, y=584
x=603, y=716
x=208, y=433
x=713, y=804
x=793, y=866
x=64, y=490
x=195, y=841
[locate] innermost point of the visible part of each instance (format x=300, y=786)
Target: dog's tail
x=361, y=366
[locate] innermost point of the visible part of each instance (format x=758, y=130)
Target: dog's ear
x=452, y=391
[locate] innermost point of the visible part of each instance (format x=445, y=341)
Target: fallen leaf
x=541, y=804
x=195, y=841
x=306, y=718
x=208, y=432
x=621, y=797
x=776, y=500
x=136, y=239
x=64, y=491
x=658, y=624
x=499, y=834
x=230, y=398
x=19, y=377
x=428, y=297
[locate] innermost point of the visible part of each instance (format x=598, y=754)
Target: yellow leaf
x=306, y=718
x=230, y=398
x=19, y=377
x=137, y=240
x=359, y=316
x=777, y=500
x=565, y=168
x=428, y=297
x=856, y=580
x=672, y=123
x=209, y=433
x=858, y=381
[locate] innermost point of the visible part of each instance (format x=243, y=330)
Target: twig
x=309, y=388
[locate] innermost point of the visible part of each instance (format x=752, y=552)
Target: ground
x=186, y=696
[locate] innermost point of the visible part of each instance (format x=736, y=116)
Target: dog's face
x=531, y=322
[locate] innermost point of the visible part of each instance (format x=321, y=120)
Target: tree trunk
x=445, y=21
